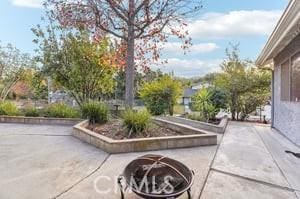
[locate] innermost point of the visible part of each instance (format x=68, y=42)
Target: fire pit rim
x=176, y=194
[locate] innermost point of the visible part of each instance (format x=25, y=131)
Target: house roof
x=285, y=31
x=189, y=92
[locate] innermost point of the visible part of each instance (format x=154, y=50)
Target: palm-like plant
x=201, y=102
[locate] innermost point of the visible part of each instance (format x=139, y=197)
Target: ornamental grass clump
x=61, y=110
x=136, y=121
x=95, y=112
x=8, y=108
x=31, y=112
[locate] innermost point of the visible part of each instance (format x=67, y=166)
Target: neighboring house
x=281, y=54
x=187, y=95
x=189, y=92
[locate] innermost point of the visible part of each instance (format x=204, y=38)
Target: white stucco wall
x=286, y=114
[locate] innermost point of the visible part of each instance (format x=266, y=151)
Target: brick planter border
x=203, y=138
x=39, y=120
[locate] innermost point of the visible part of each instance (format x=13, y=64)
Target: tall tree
x=141, y=77
x=12, y=66
x=81, y=65
x=239, y=78
x=139, y=24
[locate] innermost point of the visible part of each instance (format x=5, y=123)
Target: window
x=285, y=81
x=295, y=78
x=290, y=79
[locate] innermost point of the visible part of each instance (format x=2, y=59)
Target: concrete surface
x=28, y=129
x=42, y=161
x=197, y=159
x=243, y=153
x=251, y=163
x=46, y=162
x=222, y=186
x=277, y=145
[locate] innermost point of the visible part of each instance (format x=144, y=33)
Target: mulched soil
x=115, y=130
x=215, y=121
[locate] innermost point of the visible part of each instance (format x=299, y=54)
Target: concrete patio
x=38, y=161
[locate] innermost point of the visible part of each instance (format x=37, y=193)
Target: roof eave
x=278, y=38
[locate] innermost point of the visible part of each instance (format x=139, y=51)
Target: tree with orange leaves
x=141, y=25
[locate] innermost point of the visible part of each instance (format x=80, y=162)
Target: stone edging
x=39, y=120
x=144, y=144
x=220, y=128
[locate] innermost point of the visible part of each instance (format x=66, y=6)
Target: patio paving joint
x=211, y=164
x=79, y=181
x=254, y=180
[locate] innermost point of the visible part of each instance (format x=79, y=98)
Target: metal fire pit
x=155, y=176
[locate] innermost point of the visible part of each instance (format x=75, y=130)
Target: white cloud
x=28, y=3
x=190, y=67
x=234, y=23
x=175, y=48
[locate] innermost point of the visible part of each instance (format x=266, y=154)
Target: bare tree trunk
x=130, y=68
x=171, y=109
x=5, y=91
x=233, y=106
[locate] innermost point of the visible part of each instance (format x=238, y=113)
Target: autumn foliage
x=140, y=26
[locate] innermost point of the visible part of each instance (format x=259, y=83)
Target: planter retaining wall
x=39, y=120
x=220, y=128
x=109, y=145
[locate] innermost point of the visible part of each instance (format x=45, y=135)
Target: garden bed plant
x=132, y=124
x=198, y=117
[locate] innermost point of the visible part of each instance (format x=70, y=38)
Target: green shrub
x=95, y=112
x=61, y=110
x=161, y=95
x=156, y=106
x=31, y=112
x=218, y=98
x=136, y=122
x=8, y=108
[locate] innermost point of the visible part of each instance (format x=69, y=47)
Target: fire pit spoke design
x=155, y=176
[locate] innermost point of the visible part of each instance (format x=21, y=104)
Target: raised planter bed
x=220, y=128
x=198, y=138
x=39, y=120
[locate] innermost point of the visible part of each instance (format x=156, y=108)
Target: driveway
x=38, y=161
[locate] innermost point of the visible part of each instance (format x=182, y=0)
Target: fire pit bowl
x=156, y=176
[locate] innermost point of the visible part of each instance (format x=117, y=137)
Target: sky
x=220, y=22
